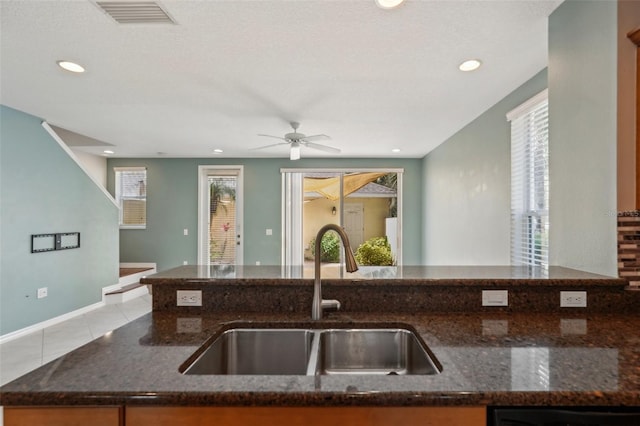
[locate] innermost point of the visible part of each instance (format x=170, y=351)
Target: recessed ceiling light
x=470, y=65
x=388, y=4
x=218, y=151
x=395, y=150
x=70, y=66
x=108, y=152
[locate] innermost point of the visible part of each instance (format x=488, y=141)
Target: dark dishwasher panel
x=565, y=417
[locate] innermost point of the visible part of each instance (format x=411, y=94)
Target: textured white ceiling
x=372, y=79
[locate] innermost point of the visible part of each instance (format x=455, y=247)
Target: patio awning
x=330, y=187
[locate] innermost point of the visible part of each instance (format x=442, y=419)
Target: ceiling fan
x=298, y=140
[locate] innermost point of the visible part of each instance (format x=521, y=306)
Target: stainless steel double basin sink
x=333, y=350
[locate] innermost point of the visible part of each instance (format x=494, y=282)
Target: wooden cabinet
x=305, y=416
x=244, y=416
x=63, y=416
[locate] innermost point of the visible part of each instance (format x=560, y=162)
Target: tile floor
x=19, y=356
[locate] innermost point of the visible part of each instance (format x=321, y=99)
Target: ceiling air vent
x=135, y=12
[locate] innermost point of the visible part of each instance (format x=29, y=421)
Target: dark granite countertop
x=383, y=275
x=532, y=359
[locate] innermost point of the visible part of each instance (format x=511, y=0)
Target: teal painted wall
x=467, y=192
x=172, y=206
x=44, y=191
x=582, y=134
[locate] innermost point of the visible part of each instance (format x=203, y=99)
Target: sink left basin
x=256, y=351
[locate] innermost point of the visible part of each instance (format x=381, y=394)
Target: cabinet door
x=306, y=416
x=63, y=416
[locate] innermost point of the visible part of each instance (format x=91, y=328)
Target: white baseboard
x=48, y=323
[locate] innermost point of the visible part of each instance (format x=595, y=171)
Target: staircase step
x=126, y=288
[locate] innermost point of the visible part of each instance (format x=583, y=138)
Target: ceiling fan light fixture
x=388, y=4
x=294, y=154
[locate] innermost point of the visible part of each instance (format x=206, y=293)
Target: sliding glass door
x=366, y=202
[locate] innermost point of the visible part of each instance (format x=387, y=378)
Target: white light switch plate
x=495, y=298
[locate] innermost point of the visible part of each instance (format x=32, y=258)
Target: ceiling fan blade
x=324, y=148
x=269, y=146
x=271, y=136
x=320, y=137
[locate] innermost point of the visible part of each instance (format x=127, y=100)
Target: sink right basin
x=388, y=351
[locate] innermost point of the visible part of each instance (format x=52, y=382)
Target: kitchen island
x=489, y=356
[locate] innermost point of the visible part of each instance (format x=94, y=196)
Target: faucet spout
x=350, y=265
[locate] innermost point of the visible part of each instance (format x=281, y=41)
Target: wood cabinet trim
x=635, y=36
x=64, y=416
x=306, y=416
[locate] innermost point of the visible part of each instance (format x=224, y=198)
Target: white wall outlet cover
x=43, y=292
x=573, y=299
x=495, y=298
x=189, y=298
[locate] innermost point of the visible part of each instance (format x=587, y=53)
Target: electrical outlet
x=43, y=292
x=189, y=297
x=495, y=298
x=573, y=299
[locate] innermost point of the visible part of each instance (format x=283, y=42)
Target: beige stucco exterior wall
x=628, y=20
x=317, y=213
x=375, y=212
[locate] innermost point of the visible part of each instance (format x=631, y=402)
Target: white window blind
x=530, y=182
x=131, y=195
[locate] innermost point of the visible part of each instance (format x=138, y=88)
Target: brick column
x=629, y=246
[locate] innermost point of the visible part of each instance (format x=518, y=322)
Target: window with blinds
x=131, y=195
x=530, y=182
